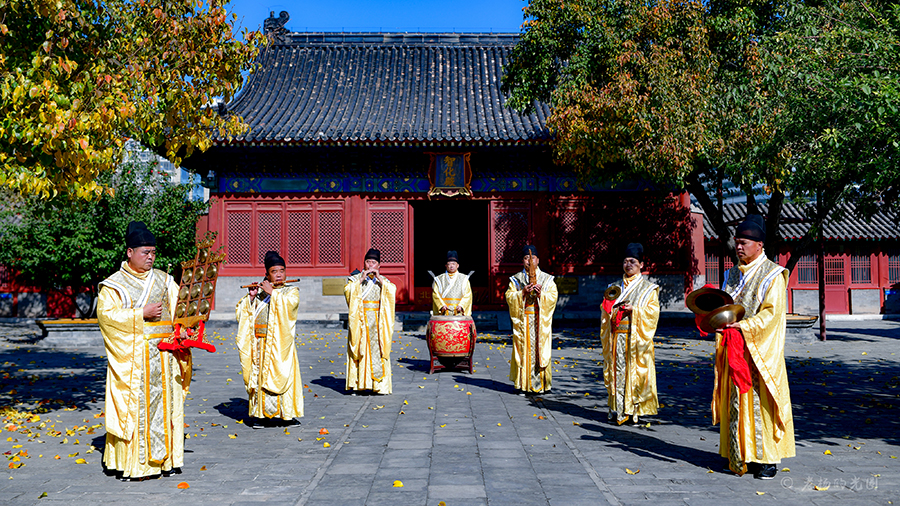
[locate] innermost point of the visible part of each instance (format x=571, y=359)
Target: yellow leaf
x=708, y=471
x=398, y=484
x=822, y=489
x=785, y=469
x=326, y=445
x=232, y=436
x=73, y=454
x=827, y=452
x=80, y=461
x=203, y=468
x=629, y=471
x=468, y=393
x=406, y=403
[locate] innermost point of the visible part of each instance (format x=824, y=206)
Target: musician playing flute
x=451, y=293
x=370, y=298
x=627, y=326
x=267, y=319
x=531, y=297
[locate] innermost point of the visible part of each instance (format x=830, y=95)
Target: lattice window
x=712, y=269
x=299, y=237
x=807, y=271
x=834, y=271
x=239, y=238
x=568, y=241
x=510, y=235
x=331, y=227
x=388, y=235
x=269, y=224
x=894, y=267
x=860, y=269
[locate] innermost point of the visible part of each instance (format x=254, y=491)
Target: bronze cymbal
x=704, y=300
x=613, y=292
x=719, y=318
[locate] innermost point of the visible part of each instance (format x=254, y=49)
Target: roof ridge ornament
x=274, y=27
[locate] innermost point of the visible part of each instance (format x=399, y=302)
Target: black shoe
x=765, y=472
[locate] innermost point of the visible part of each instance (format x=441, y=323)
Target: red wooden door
x=510, y=230
x=388, y=231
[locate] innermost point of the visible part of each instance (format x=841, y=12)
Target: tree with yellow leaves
x=79, y=77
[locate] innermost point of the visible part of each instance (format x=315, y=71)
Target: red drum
x=451, y=341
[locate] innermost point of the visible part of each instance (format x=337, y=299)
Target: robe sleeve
x=386, y=316
x=245, y=334
x=764, y=335
x=280, y=353
x=516, y=303
x=355, y=321
x=549, y=294
x=466, y=301
x=122, y=330
x=436, y=301
x=606, y=344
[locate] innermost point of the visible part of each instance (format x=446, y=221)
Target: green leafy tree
x=829, y=83
x=80, y=244
x=798, y=98
x=79, y=77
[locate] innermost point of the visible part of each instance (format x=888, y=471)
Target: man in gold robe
x=751, y=399
x=531, y=304
x=451, y=292
x=370, y=298
x=627, y=327
x=267, y=318
x=145, y=387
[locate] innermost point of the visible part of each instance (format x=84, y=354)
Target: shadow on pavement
x=337, y=384
x=236, y=408
x=486, y=383
x=49, y=379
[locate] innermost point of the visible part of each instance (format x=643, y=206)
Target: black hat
x=753, y=228
x=374, y=254
x=452, y=256
x=273, y=258
x=635, y=250
x=137, y=235
x=529, y=250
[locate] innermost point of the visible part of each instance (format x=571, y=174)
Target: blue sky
x=386, y=15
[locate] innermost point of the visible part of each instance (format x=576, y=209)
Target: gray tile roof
x=385, y=88
x=849, y=226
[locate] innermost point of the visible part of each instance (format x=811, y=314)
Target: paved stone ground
x=464, y=439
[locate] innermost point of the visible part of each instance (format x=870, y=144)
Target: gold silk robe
x=453, y=291
x=529, y=366
x=756, y=426
x=371, y=328
x=145, y=387
x=269, y=363
x=629, y=367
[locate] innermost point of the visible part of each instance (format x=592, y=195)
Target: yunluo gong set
x=195, y=295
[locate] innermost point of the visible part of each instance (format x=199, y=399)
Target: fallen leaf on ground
x=821, y=489
x=183, y=485
x=827, y=452
x=203, y=468
x=323, y=431
x=629, y=471
x=80, y=461
x=398, y=483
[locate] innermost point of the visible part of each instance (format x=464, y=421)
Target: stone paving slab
x=465, y=439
